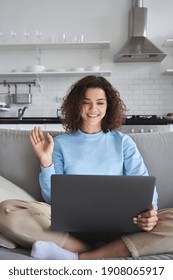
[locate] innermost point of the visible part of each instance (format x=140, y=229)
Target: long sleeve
x=45, y=182
x=133, y=161
x=45, y=174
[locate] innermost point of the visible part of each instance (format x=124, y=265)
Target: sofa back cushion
x=9, y=190
x=18, y=162
x=157, y=151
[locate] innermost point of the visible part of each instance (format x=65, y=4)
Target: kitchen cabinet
x=30, y=126
x=8, y=126
x=145, y=128
x=100, y=45
x=54, y=127
x=22, y=126
x=168, y=71
x=171, y=127
x=44, y=127
x=59, y=127
x=168, y=43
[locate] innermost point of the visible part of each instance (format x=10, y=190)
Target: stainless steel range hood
x=138, y=48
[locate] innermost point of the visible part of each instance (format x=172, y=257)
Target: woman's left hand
x=146, y=220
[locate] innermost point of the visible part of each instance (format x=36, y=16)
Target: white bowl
x=94, y=68
x=35, y=68
x=77, y=69
x=61, y=70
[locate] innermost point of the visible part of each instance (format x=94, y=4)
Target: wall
x=142, y=86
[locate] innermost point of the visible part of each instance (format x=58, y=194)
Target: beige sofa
x=19, y=165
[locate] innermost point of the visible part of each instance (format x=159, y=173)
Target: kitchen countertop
x=30, y=120
x=44, y=120
x=148, y=121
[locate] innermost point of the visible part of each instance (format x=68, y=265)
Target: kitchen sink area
x=30, y=120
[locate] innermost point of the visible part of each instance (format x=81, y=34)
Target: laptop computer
x=99, y=203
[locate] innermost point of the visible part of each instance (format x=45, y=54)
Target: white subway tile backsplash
x=155, y=86
x=166, y=86
x=148, y=82
x=137, y=92
x=144, y=87
x=138, y=82
x=143, y=93
x=133, y=87
x=148, y=102
x=145, y=76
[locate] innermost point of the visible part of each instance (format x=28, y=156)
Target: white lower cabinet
x=59, y=127
x=30, y=126
x=171, y=127
x=21, y=126
x=44, y=127
x=8, y=126
x=54, y=127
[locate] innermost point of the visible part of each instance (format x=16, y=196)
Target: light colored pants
x=157, y=241
x=25, y=222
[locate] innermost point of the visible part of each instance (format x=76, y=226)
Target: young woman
x=92, y=112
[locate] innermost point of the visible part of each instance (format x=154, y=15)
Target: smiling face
x=93, y=110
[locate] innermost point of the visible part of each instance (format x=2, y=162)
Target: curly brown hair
x=71, y=107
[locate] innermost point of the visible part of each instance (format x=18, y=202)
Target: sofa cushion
x=157, y=151
x=8, y=190
x=7, y=243
x=15, y=254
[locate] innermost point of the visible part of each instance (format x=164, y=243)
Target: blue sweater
x=111, y=153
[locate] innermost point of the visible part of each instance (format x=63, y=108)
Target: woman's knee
x=165, y=214
x=8, y=208
x=5, y=206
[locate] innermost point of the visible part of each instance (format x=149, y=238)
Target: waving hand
x=43, y=146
